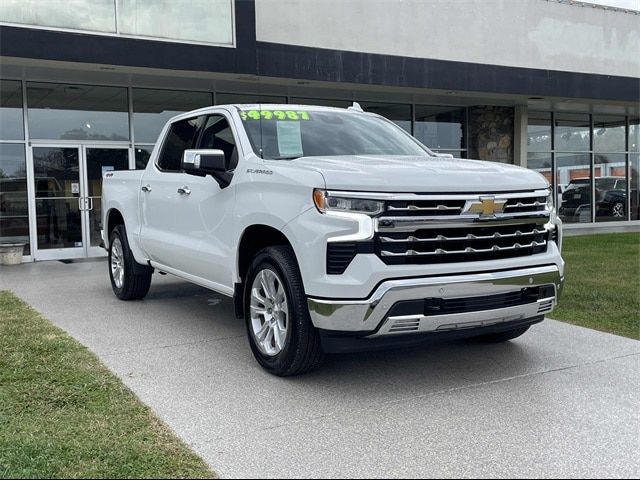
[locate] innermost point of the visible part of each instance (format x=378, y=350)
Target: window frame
x=167, y=131
x=232, y=127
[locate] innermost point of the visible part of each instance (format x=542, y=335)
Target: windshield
x=289, y=134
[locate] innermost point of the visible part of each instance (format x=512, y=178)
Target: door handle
x=146, y=188
x=184, y=191
x=90, y=199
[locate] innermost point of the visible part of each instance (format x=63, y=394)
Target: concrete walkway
x=561, y=401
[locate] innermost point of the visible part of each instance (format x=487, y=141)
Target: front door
x=68, y=188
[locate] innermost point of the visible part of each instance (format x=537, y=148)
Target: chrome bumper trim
x=371, y=314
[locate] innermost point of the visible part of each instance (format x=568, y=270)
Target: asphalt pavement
x=561, y=401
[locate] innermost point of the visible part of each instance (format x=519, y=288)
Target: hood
x=378, y=173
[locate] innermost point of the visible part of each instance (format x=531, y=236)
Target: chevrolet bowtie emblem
x=485, y=207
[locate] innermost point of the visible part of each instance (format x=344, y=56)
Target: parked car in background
x=610, y=195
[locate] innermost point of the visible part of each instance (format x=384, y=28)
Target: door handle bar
x=184, y=191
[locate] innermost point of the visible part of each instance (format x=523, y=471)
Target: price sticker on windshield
x=281, y=115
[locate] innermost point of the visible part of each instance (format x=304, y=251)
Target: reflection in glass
x=609, y=134
x=572, y=132
x=227, y=98
x=57, y=172
x=152, y=109
x=57, y=175
x=94, y=15
x=11, y=123
x=59, y=223
x=610, y=187
x=542, y=163
x=634, y=187
x=95, y=223
x=440, y=128
x=142, y=156
x=634, y=135
x=101, y=161
x=398, y=113
x=539, y=132
x=574, y=180
x=322, y=102
x=14, y=209
x=200, y=21
x=77, y=112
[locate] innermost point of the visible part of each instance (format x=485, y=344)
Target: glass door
x=59, y=203
x=68, y=198
x=99, y=160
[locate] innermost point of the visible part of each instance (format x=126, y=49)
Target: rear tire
x=125, y=282
x=502, y=336
x=281, y=334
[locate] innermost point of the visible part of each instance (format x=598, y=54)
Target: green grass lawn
x=602, y=288
x=63, y=414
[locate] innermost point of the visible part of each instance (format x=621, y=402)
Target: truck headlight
x=550, y=201
x=328, y=202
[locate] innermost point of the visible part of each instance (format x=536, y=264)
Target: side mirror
x=207, y=162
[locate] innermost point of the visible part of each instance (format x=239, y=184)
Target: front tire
x=281, y=334
x=127, y=282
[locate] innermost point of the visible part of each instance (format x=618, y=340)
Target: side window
x=217, y=135
x=181, y=137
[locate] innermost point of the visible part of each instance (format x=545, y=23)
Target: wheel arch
x=113, y=218
x=253, y=239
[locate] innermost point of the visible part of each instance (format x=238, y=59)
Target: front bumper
x=374, y=317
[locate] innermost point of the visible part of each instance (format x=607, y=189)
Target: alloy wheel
x=269, y=312
x=117, y=263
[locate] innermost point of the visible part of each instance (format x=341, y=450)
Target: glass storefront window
x=399, y=114
x=77, y=112
x=610, y=186
x=152, y=108
x=634, y=135
x=543, y=164
x=228, y=98
x=323, y=102
x=143, y=153
x=609, y=134
x=441, y=128
x=574, y=182
x=208, y=21
x=572, y=132
x=14, y=205
x=539, y=132
x=11, y=121
x=634, y=187
x=93, y=15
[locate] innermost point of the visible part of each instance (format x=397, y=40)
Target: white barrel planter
x=11, y=253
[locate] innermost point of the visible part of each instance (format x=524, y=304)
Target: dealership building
x=86, y=86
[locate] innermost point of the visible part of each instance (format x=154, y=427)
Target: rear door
x=165, y=228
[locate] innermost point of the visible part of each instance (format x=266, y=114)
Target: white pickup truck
x=334, y=230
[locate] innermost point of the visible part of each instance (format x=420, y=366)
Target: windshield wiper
x=284, y=158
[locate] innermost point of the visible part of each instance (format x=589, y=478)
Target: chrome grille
x=439, y=230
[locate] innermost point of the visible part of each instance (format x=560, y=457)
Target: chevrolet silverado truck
x=334, y=230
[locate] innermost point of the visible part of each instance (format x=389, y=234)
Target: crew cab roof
x=262, y=106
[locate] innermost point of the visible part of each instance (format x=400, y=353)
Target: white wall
x=525, y=33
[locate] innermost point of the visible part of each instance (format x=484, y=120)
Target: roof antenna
x=356, y=106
